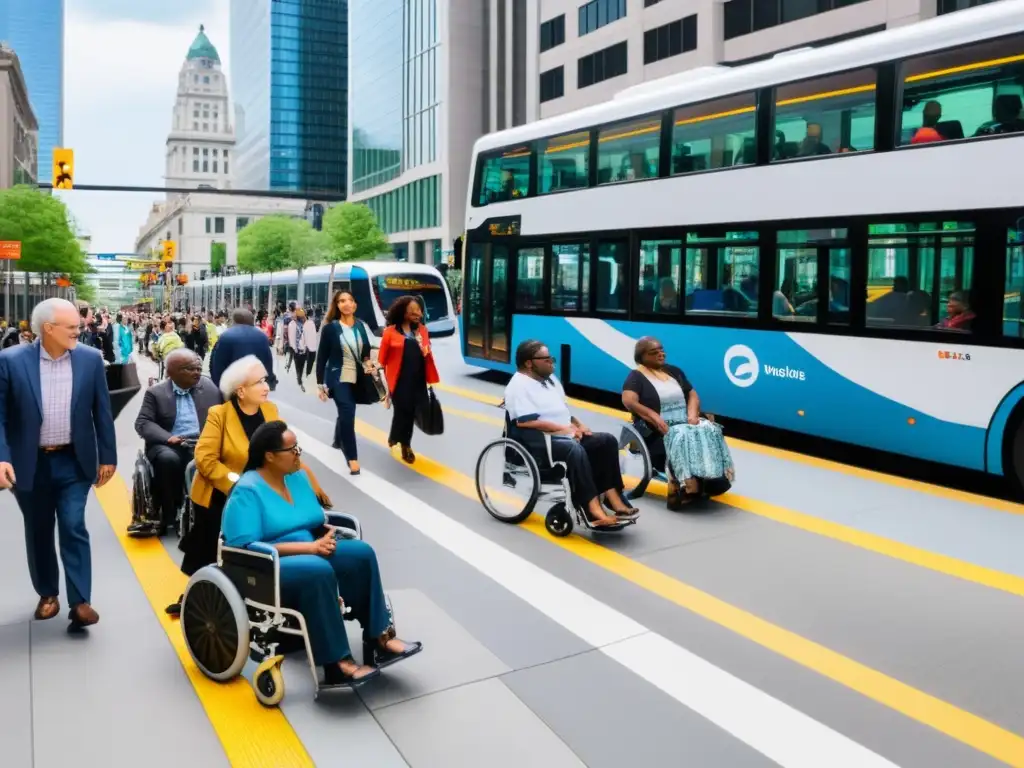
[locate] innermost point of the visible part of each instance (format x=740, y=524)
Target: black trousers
x=345, y=425
x=169, y=462
x=200, y=546
x=593, y=464
x=403, y=420
x=300, y=365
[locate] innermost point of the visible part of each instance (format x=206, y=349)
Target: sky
x=121, y=64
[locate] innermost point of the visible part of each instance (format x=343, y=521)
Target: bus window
x=504, y=176
x=829, y=115
x=722, y=274
x=611, y=277
x=659, y=280
x=629, y=151
x=964, y=92
x=716, y=134
x=530, y=279
x=428, y=289
x=920, y=275
x=570, y=278
x=1013, y=320
x=796, y=283
x=564, y=162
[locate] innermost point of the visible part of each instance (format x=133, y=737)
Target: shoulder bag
x=369, y=388
x=429, y=415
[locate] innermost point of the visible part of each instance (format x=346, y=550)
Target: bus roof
x=341, y=272
x=947, y=31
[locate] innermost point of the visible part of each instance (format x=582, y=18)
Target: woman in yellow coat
x=220, y=456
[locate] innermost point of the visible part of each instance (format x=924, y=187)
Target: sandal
x=335, y=676
x=378, y=655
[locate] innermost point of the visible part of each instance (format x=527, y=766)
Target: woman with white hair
x=221, y=454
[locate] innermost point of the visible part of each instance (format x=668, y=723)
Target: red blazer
x=392, y=347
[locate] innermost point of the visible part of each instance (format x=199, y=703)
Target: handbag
x=429, y=415
x=369, y=388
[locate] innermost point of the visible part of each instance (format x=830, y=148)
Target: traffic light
x=63, y=168
x=170, y=250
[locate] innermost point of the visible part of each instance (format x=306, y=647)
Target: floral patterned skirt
x=698, y=451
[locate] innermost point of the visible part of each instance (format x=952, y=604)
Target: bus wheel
x=1013, y=456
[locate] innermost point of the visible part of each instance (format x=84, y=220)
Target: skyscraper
x=35, y=30
x=289, y=73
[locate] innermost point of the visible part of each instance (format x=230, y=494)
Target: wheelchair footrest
x=612, y=528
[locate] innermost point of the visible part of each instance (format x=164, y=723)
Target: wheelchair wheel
x=507, y=481
x=215, y=624
x=634, y=462
x=268, y=682
x=558, y=521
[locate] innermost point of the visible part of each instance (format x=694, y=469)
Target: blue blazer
x=330, y=354
x=237, y=342
x=21, y=411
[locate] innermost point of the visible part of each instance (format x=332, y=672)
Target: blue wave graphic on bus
x=766, y=378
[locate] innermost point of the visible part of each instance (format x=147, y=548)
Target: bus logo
x=741, y=366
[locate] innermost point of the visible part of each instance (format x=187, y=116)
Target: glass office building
x=289, y=75
x=35, y=30
x=395, y=100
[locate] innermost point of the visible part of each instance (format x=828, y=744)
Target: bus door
x=487, y=323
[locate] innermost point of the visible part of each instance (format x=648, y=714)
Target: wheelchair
x=232, y=612
x=527, y=465
x=146, y=521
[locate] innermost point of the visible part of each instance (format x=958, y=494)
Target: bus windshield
x=427, y=288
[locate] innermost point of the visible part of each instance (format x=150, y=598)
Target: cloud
x=120, y=82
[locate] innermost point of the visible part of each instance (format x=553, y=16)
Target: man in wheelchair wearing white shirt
x=535, y=400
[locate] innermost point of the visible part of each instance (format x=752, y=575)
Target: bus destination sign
x=503, y=227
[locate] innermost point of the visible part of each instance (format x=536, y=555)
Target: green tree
x=265, y=245
x=218, y=257
x=309, y=248
x=354, y=235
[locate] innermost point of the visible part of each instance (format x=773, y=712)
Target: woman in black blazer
x=343, y=354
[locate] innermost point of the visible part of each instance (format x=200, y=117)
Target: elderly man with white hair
x=221, y=455
x=56, y=440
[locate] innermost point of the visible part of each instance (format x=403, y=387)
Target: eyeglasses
x=292, y=449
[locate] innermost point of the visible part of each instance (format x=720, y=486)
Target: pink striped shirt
x=55, y=379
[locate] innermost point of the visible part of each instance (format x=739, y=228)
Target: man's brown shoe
x=83, y=615
x=47, y=608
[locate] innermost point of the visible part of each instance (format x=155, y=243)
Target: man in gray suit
x=172, y=415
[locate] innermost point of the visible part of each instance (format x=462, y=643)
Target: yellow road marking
x=965, y=497
x=252, y=736
x=923, y=558
x=957, y=723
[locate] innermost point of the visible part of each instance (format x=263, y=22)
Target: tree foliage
x=266, y=244
x=309, y=247
x=354, y=234
x=42, y=224
x=218, y=257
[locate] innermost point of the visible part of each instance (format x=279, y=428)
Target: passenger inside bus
x=812, y=144
x=1006, y=109
x=668, y=297
x=959, y=315
x=929, y=130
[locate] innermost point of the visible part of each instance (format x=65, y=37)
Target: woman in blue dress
x=273, y=502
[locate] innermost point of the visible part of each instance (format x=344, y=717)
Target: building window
x=745, y=16
x=195, y=166
x=206, y=126
x=215, y=166
x=195, y=113
x=225, y=167
x=825, y=116
x=206, y=166
x=215, y=153
x=598, y=13
x=552, y=84
x=552, y=33
x=948, y=6
x=670, y=39
x=206, y=152
x=602, y=65
x=206, y=79
x=218, y=225
x=195, y=126
x=241, y=222
x=209, y=224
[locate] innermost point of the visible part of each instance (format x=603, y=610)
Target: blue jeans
x=310, y=584
x=60, y=492
x=345, y=426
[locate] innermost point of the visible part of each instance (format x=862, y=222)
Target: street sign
x=106, y=256
x=10, y=249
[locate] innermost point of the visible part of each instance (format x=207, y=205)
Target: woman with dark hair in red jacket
x=408, y=364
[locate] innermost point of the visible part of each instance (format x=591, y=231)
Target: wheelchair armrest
x=259, y=548
x=346, y=522
x=547, y=447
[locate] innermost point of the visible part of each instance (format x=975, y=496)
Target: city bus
x=374, y=284
x=828, y=242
